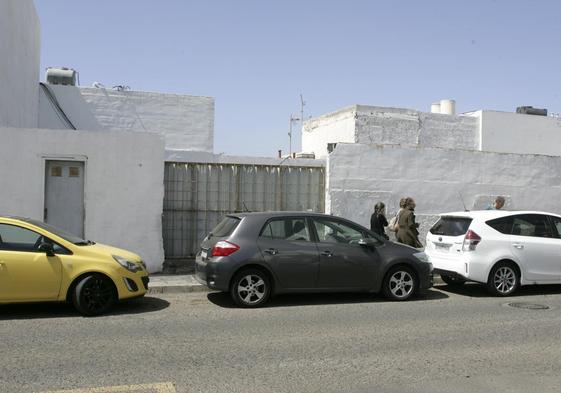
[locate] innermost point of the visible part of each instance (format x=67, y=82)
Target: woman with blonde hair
x=407, y=232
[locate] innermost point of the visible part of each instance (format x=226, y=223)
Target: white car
x=502, y=249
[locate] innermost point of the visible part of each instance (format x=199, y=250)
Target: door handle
x=518, y=246
x=2, y=265
x=328, y=254
x=272, y=251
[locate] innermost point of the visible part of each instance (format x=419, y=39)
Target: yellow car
x=41, y=263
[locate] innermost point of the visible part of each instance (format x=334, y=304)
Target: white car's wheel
x=503, y=280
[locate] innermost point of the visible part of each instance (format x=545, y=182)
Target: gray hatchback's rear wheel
x=94, y=295
x=503, y=280
x=250, y=288
x=400, y=283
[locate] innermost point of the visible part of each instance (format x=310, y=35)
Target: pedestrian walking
x=407, y=232
x=378, y=221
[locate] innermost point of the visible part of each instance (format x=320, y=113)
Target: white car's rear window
x=451, y=226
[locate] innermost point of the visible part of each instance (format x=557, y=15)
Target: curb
x=188, y=288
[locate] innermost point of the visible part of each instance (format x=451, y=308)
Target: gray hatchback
x=255, y=255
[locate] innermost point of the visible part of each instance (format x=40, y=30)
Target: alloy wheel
x=251, y=289
x=401, y=284
x=504, y=280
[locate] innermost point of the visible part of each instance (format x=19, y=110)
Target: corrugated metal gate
x=197, y=196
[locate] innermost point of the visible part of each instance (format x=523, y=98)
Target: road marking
x=166, y=387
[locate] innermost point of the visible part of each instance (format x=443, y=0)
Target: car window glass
x=292, y=229
x=556, y=224
x=16, y=238
x=330, y=231
x=451, y=226
x=534, y=225
x=503, y=224
x=226, y=226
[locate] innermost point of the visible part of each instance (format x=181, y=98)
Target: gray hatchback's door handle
x=272, y=251
x=518, y=246
x=327, y=254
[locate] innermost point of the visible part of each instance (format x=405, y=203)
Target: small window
x=14, y=238
x=56, y=171
x=73, y=171
x=291, y=229
x=451, y=226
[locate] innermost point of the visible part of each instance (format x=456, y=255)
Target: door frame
x=64, y=157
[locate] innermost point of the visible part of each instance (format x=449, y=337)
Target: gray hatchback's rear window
x=226, y=226
x=451, y=226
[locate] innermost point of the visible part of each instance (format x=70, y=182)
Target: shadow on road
x=59, y=310
x=473, y=289
x=223, y=299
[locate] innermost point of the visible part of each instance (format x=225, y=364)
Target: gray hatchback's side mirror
x=47, y=248
x=366, y=243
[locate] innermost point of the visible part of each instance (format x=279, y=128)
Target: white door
x=535, y=246
x=64, y=195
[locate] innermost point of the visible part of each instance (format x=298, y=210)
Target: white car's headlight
x=130, y=266
x=421, y=256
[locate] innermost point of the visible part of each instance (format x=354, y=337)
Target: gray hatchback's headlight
x=130, y=266
x=421, y=256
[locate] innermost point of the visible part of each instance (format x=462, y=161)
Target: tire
x=452, y=280
x=95, y=294
x=400, y=283
x=250, y=288
x=504, y=279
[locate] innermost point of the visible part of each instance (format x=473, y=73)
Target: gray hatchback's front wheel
x=250, y=288
x=400, y=283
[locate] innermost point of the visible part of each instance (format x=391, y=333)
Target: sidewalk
x=174, y=283
x=184, y=283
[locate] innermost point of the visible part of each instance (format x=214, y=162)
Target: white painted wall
x=519, y=133
x=360, y=175
x=19, y=63
x=187, y=122
x=123, y=185
x=330, y=128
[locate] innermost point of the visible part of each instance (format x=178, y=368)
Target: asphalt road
x=445, y=341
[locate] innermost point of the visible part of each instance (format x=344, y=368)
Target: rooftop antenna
x=295, y=119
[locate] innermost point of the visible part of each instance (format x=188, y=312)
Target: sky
x=256, y=57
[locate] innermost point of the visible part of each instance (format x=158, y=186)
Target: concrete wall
x=187, y=122
x=123, y=184
x=19, y=63
x=330, y=128
x=381, y=125
x=360, y=175
x=518, y=133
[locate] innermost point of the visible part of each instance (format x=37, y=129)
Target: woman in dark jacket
x=407, y=232
x=378, y=220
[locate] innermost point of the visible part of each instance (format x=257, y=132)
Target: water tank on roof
x=448, y=107
x=530, y=110
x=61, y=76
